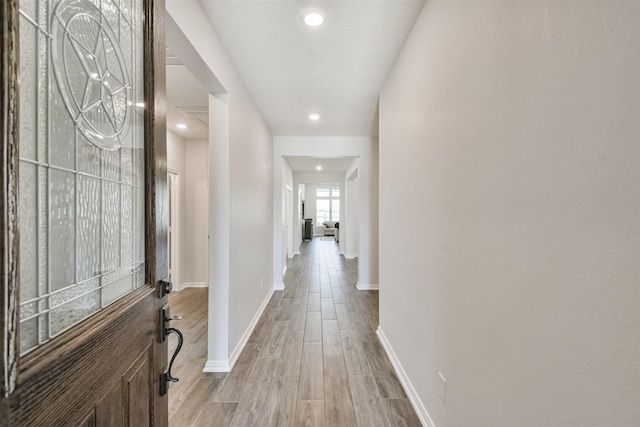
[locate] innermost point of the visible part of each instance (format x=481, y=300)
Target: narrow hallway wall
x=243, y=222
x=509, y=204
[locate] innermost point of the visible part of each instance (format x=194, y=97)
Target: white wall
x=175, y=162
x=309, y=201
x=299, y=196
x=366, y=148
x=287, y=179
x=194, y=269
x=349, y=230
x=509, y=169
x=189, y=159
x=241, y=192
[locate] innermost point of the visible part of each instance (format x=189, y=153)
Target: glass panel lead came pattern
x=81, y=161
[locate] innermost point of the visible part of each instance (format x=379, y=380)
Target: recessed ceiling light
x=313, y=19
x=318, y=168
x=314, y=116
x=312, y=16
x=181, y=126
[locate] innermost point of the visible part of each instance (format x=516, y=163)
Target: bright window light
x=327, y=204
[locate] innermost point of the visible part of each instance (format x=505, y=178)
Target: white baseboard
x=284, y=270
x=227, y=365
x=296, y=253
x=350, y=256
x=217, y=366
x=192, y=285
x=367, y=287
x=279, y=287
x=417, y=404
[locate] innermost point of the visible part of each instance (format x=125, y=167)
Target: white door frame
x=173, y=184
x=289, y=220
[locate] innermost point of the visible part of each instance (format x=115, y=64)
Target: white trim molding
x=417, y=404
x=367, y=287
x=216, y=366
x=193, y=285
x=279, y=287
x=284, y=270
x=227, y=365
x=350, y=256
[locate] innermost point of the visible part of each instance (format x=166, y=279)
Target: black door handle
x=165, y=330
x=168, y=375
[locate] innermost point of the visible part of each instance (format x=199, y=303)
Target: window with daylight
x=327, y=204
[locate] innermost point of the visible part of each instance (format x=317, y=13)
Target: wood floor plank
x=213, y=414
x=256, y=394
x=388, y=384
x=328, y=309
x=325, y=290
x=367, y=403
x=284, y=395
x=186, y=400
x=338, y=403
x=298, y=317
x=302, y=295
x=362, y=325
x=275, y=299
x=354, y=354
x=272, y=346
x=262, y=327
x=331, y=342
x=189, y=375
x=290, y=290
x=304, y=282
x=283, y=311
x=335, y=281
x=338, y=296
x=310, y=413
x=233, y=385
x=314, y=287
x=313, y=327
x=313, y=303
x=344, y=317
x=400, y=413
x=292, y=353
x=311, y=372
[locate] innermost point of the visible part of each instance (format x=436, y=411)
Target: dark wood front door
x=84, y=213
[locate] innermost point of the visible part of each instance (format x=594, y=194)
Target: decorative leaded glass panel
x=81, y=161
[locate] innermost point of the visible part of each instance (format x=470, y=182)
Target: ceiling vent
x=171, y=58
x=200, y=115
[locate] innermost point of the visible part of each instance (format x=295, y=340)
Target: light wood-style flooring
x=313, y=360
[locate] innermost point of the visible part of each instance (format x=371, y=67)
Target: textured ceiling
x=329, y=165
x=335, y=70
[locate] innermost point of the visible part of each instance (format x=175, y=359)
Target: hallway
x=313, y=360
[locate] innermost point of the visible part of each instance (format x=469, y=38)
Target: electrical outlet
x=442, y=388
